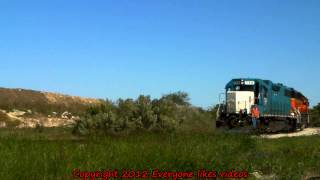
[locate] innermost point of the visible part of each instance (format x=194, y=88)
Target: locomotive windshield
x=241, y=85
x=242, y=88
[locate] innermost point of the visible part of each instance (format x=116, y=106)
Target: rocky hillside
x=42, y=102
x=29, y=108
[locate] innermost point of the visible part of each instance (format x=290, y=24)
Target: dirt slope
x=42, y=102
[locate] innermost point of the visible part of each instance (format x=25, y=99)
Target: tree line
x=167, y=113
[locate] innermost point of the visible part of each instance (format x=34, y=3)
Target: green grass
x=54, y=154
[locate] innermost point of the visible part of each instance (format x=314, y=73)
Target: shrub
x=179, y=98
x=164, y=114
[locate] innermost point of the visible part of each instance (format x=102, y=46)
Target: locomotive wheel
x=294, y=125
x=219, y=124
x=233, y=122
x=248, y=121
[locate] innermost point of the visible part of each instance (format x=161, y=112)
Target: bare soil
x=305, y=132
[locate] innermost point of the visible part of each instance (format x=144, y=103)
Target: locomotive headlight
x=292, y=114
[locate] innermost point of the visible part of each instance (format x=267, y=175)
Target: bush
x=179, y=98
x=164, y=114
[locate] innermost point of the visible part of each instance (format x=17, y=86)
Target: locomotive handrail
x=219, y=106
x=221, y=94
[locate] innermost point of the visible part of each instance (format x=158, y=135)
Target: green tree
x=315, y=116
x=180, y=98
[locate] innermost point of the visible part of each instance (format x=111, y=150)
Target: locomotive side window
x=275, y=88
x=265, y=92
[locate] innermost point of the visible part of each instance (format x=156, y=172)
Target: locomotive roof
x=269, y=83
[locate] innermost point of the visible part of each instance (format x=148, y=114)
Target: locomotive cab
x=240, y=95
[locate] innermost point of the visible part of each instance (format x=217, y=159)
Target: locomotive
x=280, y=107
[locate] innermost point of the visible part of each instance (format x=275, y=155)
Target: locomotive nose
x=239, y=101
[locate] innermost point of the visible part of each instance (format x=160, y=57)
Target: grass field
x=55, y=153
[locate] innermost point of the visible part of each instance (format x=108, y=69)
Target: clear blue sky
x=123, y=48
